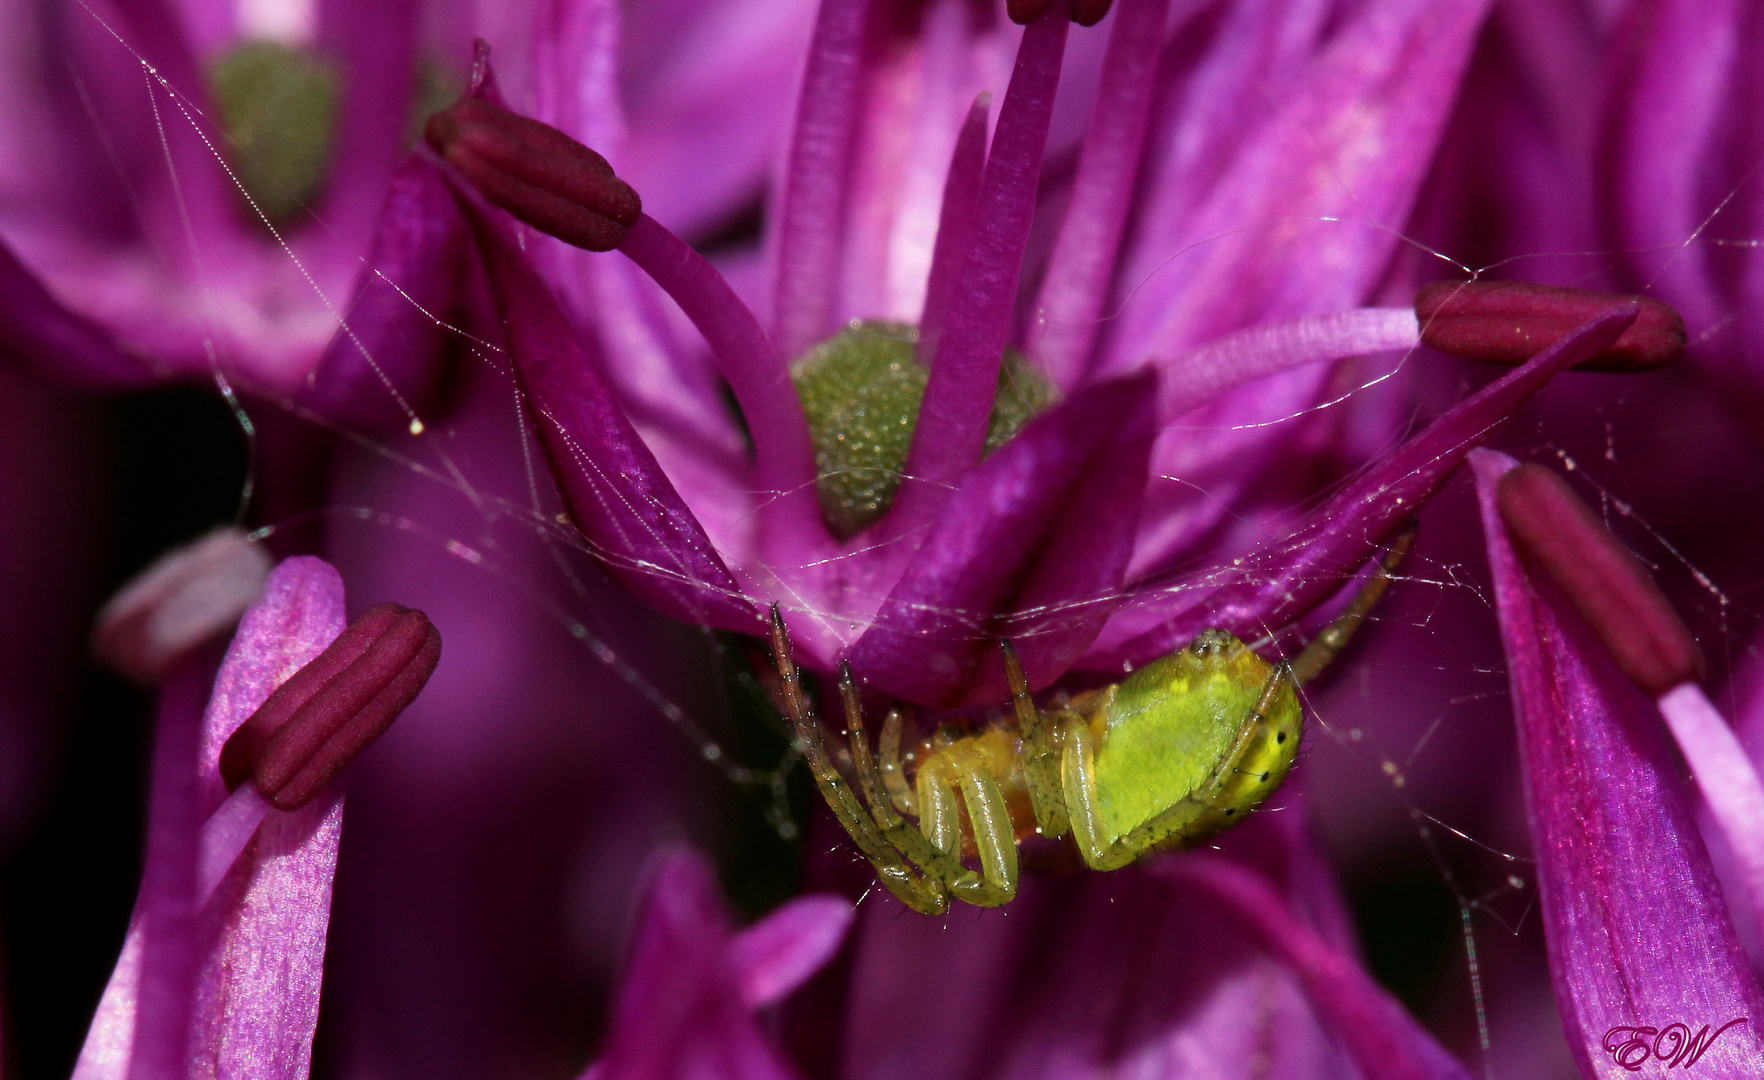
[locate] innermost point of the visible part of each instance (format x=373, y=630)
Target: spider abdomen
x=1185, y=732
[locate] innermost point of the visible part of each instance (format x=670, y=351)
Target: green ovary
x=861, y=391
x=278, y=110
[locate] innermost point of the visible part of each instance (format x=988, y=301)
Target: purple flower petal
x=1306, y=219
x=379, y=369
x=165, y=912
x=1384, y=1040
x=781, y=951
x=1293, y=575
x=955, y=226
x=958, y=399
x=39, y=335
x=684, y=1012
x=1638, y=934
x=619, y=498
x=1669, y=81
x=376, y=46
x=815, y=177
x=1081, y=271
x=254, y=955
x=1045, y=524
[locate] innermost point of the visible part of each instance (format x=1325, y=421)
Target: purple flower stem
x=1383, y=1040
x=789, y=512
x=815, y=177
x=1726, y=777
x=1222, y=365
x=958, y=399
x=1081, y=269
x=955, y=226
x=168, y=891
x=1294, y=575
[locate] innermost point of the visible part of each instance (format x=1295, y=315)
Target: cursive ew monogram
x=1674, y=1044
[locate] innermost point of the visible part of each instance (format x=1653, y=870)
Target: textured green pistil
x=861, y=391
x=278, y=109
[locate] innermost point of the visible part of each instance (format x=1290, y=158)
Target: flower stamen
x=1509, y=322
x=537, y=173
x=1604, y=582
x=333, y=708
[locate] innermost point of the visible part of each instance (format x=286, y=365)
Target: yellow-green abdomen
x=1181, y=737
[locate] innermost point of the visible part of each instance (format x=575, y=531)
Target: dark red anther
x=333, y=708
x=1509, y=322
x=536, y=172
x=1084, y=12
x=1605, y=583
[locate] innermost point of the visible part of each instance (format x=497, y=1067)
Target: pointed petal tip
x=1605, y=583
x=776, y=955
x=1509, y=322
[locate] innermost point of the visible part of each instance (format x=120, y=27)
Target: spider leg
x=1335, y=637
x=1041, y=755
x=938, y=862
x=893, y=776
x=924, y=893
x=940, y=817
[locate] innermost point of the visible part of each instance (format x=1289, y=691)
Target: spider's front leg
x=923, y=893
x=1326, y=646
x=988, y=815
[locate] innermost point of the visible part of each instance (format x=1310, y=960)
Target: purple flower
x=1643, y=951
x=1070, y=538
x=220, y=973
x=1179, y=238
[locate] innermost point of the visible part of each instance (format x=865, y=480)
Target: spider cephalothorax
x=1181, y=750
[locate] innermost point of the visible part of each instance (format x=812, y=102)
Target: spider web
x=1409, y=764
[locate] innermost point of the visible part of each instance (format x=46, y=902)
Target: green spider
x=1181, y=750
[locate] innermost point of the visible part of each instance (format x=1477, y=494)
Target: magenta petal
x=958, y=399
x=376, y=44
x=780, y=952
x=1045, y=525
x=1384, y=1041
x=254, y=955
x=1290, y=577
x=1081, y=271
x=681, y=1014
x=618, y=496
x=1307, y=215
x=166, y=910
x=379, y=369
x=955, y=224
x=1637, y=929
x=808, y=236
x=39, y=335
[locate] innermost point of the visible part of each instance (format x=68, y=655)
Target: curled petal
x=1383, y=1039
x=685, y=1006
x=1047, y=523
x=39, y=335
x=1623, y=877
x=1293, y=575
x=618, y=496
x=379, y=367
